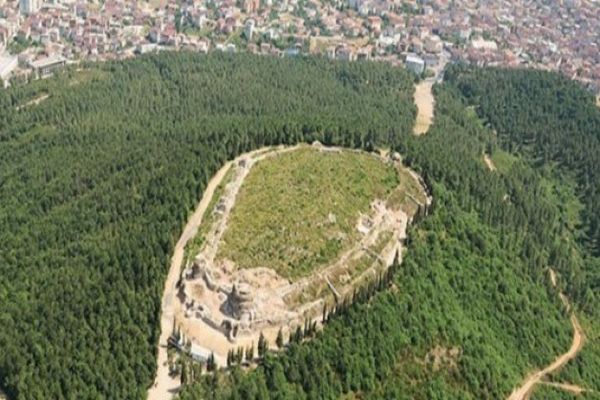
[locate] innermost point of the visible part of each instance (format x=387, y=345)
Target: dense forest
x=97, y=180
x=553, y=124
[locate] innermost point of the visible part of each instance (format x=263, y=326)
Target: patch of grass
x=297, y=211
x=38, y=132
x=359, y=265
x=20, y=44
x=382, y=241
x=503, y=160
x=404, y=195
x=85, y=75
x=564, y=194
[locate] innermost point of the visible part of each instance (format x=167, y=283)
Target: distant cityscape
x=36, y=37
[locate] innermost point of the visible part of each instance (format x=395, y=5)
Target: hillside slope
x=472, y=310
x=97, y=181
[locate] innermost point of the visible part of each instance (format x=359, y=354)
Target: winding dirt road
x=523, y=391
x=165, y=386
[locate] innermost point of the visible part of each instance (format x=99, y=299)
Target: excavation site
x=286, y=233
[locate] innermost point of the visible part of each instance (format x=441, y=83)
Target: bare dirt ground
x=567, y=387
x=166, y=386
x=524, y=390
x=488, y=162
x=425, y=104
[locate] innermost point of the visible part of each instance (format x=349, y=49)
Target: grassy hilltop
x=281, y=218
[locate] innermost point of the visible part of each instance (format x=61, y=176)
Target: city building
x=47, y=66
x=415, y=64
x=7, y=65
x=249, y=29
x=28, y=7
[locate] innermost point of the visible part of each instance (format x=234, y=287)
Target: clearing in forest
x=425, y=104
x=298, y=211
x=288, y=231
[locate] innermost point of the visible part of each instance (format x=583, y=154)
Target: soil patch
x=488, y=162
x=425, y=105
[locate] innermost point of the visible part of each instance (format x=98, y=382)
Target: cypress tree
x=279, y=340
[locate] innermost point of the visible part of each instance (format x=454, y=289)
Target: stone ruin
x=232, y=308
x=238, y=303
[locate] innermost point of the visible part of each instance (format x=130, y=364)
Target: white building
x=47, y=66
x=433, y=44
x=7, y=65
x=482, y=44
x=249, y=29
x=415, y=64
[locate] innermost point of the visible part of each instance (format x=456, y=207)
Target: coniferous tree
x=211, y=365
x=250, y=353
x=262, y=345
x=279, y=340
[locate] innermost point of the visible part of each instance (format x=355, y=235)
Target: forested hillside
x=475, y=279
x=554, y=125
x=96, y=182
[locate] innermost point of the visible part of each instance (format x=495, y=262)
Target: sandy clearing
x=598, y=101
x=552, y=277
x=488, y=162
x=425, y=103
x=524, y=390
x=166, y=386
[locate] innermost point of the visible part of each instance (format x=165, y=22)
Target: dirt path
x=166, y=386
x=425, y=103
x=488, y=162
x=33, y=102
x=523, y=391
x=567, y=387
